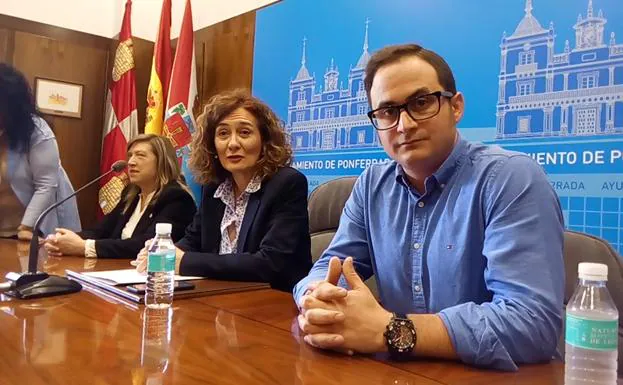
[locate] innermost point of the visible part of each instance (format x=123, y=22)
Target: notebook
x=203, y=287
x=127, y=276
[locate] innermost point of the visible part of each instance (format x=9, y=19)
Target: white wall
x=103, y=17
x=146, y=14
x=91, y=16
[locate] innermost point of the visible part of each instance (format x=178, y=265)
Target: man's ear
x=457, y=103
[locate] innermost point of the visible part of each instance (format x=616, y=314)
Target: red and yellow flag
x=160, y=74
x=121, y=117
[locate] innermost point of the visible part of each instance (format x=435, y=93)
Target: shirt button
x=418, y=288
x=443, y=185
x=416, y=246
x=420, y=204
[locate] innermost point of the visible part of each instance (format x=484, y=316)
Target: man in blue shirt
x=464, y=240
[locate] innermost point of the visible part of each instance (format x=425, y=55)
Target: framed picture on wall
x=57, y=97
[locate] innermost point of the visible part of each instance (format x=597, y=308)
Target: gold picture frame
x=55, y=97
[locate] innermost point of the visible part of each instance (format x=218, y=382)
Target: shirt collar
x=254, y=185
x=401, y=177
x=227, y=186
x=453, y=162
x=448, y=167
x=222, y=188
x=148, y=197
x=146, y=203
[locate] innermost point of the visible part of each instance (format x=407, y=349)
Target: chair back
x=325, y=207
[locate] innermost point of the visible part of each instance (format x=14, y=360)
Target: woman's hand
x=141, y=259
x=50, y=246
x=65, y=242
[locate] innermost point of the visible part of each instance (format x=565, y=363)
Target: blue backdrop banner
x=541, y=77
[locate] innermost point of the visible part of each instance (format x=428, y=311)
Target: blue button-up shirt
x=482, y=247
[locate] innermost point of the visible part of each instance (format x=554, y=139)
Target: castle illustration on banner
x=578, y=92
x=335, y=117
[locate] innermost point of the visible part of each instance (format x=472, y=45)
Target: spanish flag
x=160, y=74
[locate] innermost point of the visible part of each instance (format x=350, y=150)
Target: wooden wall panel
x=143, y=54
x=6, y=45
x=40, y=50
x=79, y=140
x=57, y=33
x=224, y=54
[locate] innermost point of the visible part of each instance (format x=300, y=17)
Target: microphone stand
x=37, y=284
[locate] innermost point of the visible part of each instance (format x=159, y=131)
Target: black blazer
x=273, y=244
x=174, y=205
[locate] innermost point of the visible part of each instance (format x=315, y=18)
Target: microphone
x=33, y=284
x=118, y=166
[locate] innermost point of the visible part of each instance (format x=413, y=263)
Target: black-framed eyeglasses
x=419, y=108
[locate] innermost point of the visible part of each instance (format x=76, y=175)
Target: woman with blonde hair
x=252, y=223
x=156, y=193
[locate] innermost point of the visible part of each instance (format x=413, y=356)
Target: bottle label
x=164, y=262
x=591, y=334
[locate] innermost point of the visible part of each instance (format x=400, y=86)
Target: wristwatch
x=400, y=336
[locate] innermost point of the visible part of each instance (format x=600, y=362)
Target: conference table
x=248, y=337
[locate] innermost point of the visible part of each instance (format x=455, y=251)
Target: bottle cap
x=163, y=228
x=593, y=271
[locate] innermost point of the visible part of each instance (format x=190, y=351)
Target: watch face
x=402, y=335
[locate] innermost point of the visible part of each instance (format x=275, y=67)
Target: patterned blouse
x=234, y=211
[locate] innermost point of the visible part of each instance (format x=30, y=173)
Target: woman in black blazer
x=156, y=193
x=252, y=224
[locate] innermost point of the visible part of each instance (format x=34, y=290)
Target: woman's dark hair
x=17, y=108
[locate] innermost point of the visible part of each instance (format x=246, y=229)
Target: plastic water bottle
x=591, y=330
x=160, y=268
x=155, y=344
